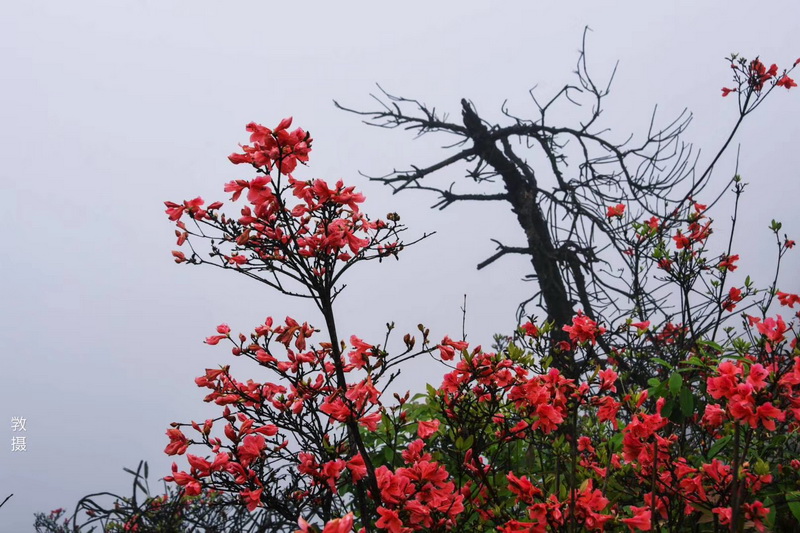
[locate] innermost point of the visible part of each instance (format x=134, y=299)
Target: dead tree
x=559, y=180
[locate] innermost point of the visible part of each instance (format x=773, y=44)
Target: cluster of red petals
x=697, y=233
x=615, y=211
x=756, y=74
x=759, y=74
x=278, y=147
x=551, y=514
x=193, y=208
x=337, y=525
x=583, y=329
x=448, y=348
x=787, y=299
x=418, y=497
x=728, y=262
x=756, y=393
x=730, y=301
x=324, y=226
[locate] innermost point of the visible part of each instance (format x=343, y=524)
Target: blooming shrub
x=682, y=423
x=506, y=442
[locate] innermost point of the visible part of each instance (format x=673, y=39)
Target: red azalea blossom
x=529, y=329
x=448, y=347
x=615, y=211
x=251, y=498
x=734, y=296
x=641, y=519
x=583, y=329
x=728, y=262
x=447, y=462
x=786, y=81
x=787, y=299
x=427, y=428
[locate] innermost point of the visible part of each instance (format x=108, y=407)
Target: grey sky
x=110, y=108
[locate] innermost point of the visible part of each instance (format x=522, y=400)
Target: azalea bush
x=685, y=421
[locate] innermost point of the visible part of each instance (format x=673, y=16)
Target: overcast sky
x=110, y=108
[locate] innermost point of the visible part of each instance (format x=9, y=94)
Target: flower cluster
x=754, y=75
x=507, y=442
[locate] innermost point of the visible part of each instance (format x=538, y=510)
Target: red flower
x=714, y=415
x=788, y=299
x=681, y=241
x=251, y=449
x=252, y=498
x=215, y=339
x=529, y=329
x=389, y=520
x=756, y=512
x=549, y=418
x=427, y=428
x=608, y=377
x=640, y=519
x=583, y=329
x=370, y=421
x=340, y=525
x=615, y=211
x=336, y=409
x=178, y=443
x=726, y=91
x=448, y=347
x=734, y=296
x=786, y=81
x=357, y=467
x=727, y=262
x=773, y=330
x=523, y=488
x=192, y=207
x=359, y=357
x=608, y=410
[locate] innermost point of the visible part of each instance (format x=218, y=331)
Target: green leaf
x=666, y=411
x=793, y=499
x=388, y=454
x=711, y=344
x=675, y=383
x=661, y=362
x=653, y=382
x=687, y=402
x=468, y=442
x=463, y=444
x=718, y=446
x=770, y=519
x=657, y=392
